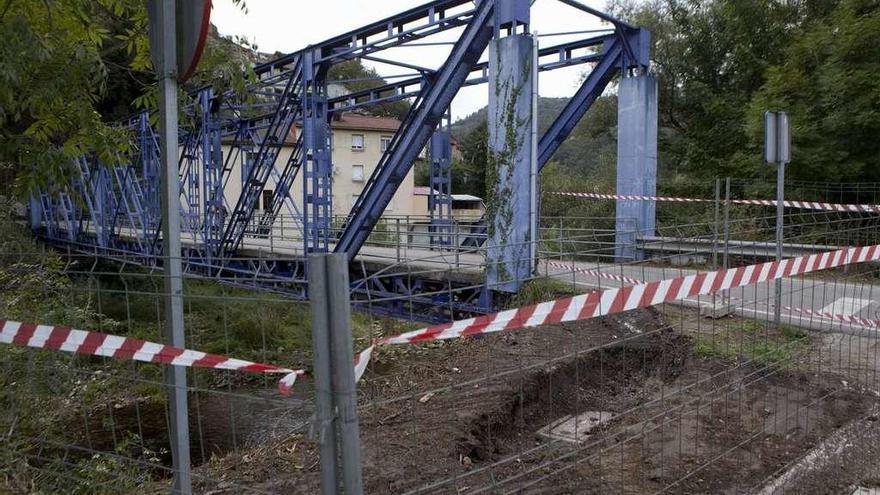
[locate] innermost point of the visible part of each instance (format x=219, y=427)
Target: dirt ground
x=462, y=417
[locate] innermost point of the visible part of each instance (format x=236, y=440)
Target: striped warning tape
x=582, y=307
x=617, y=300
x=806, y=205
x=595, y=273
x=66, y=339
x=865, y=322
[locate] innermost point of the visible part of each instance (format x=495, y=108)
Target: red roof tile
x=365, y=122
x=350, y=121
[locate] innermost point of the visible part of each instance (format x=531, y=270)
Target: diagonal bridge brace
x=420, y=123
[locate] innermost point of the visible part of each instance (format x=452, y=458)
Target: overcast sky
x=289, y=25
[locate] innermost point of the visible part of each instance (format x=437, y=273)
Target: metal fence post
x=780, y=210
x=725, y=259
x=397, y=236
x=324, y=430
x=457, y=241
x=344, y=387
x=175, y=376
x=715, y=225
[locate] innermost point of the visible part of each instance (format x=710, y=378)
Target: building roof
x=422, y=191
x=365, y=122
x=426, y=191
x=465, y=197
x=354, y=122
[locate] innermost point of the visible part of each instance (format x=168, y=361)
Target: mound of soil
x=463, y=416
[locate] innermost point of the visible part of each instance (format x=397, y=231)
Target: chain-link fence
x=698, y=392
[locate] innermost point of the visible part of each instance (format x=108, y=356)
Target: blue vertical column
x=104, y=201
x=440, y=190
x=509, y=174
x=317, y=166
x=149, y=160
x=636, y=162
x=35, y=210
x=213, y=210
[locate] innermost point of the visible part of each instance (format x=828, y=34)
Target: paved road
x=837, y=296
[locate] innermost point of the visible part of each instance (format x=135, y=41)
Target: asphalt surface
x=839, y=296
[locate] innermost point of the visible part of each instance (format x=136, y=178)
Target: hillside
x=582, y=153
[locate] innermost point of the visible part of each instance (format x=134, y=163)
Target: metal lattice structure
x=113, y=208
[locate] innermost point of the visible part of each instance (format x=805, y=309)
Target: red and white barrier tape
x=582, y=307
x=66, y=339
x=806, y=205
x=595, y=273
x=865, y=322
x=618, y=300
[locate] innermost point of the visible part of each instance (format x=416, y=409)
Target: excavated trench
x=608, y=380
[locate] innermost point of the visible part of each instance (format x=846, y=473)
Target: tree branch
x=5, y=9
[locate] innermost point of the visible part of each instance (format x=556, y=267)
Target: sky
x=289, y=25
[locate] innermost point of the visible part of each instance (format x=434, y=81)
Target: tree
x=711, y=57
x=469, y=173
x=355, y=77
x=828, y=83
x=67, y=69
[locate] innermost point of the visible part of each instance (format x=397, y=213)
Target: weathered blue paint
x=636, y=161
x=511, y=82
x=113, y=209
x=440, y=189
x=415, y=131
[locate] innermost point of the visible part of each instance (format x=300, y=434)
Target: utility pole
x=777, y=149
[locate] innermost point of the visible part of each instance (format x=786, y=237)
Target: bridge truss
x=112, y=209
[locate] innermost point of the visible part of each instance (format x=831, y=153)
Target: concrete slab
x=719, y=308
x=847, y=306
x=576, y=428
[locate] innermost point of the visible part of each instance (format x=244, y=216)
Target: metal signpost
x=336, y=417
x=777, y=149
x=177, y=37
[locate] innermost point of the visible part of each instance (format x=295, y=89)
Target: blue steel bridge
x=112, y=210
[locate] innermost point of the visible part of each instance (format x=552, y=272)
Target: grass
x=45, y=395
x=541, y=290
x=755, y=341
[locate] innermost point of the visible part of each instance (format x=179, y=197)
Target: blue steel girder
x=95, y=198
x=612, y=58
x=289, y=107
x=316, y=160
x=413, y=24
x=420, y=122
x=213, y=199
x=128, y=202
x=440, y=189
x=147, y=157
x=283, y=185
x=562, y=55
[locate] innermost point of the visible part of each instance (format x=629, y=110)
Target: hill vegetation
x=720, y=64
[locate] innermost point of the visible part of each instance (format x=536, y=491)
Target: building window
x=357, y=142
x=385, y=143
x=357, y=173
x=267, y=199
x=354, y=199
